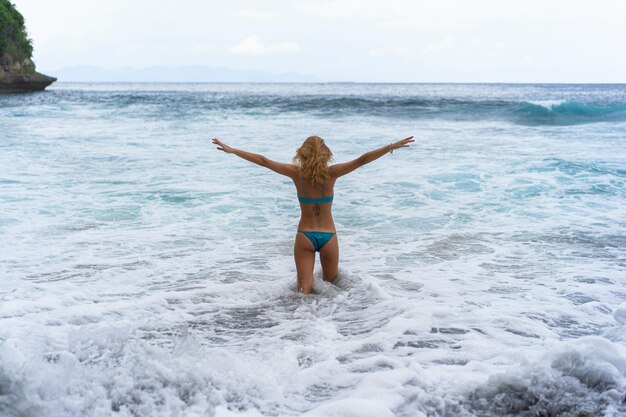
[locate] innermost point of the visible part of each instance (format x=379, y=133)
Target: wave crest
x=569, y=112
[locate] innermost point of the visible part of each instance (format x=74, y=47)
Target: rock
x=18, y=77
x=38, y=83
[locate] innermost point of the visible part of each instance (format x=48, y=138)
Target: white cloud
x=256, y=45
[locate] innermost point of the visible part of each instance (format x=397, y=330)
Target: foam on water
x=146, y=274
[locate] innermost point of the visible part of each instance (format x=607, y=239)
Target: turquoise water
x=144, y=273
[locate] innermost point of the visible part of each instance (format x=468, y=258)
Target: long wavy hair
x=312, y=158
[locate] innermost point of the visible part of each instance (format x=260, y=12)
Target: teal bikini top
x=320, y=200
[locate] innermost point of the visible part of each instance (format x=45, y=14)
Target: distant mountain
x=179, y=74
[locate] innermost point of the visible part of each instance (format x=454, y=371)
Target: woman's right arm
x=344, y=168
x=280, y=168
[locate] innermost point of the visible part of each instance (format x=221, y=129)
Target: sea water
x=145, y=273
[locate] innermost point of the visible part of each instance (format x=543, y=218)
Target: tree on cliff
x=13, y=37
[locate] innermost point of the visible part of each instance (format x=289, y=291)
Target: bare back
x=316, y=217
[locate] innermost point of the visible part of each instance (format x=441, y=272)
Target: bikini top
x=320, y=200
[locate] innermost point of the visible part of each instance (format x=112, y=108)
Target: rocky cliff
x=20, y=76
x=17, y=70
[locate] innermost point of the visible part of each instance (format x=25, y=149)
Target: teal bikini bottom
x=318, y=239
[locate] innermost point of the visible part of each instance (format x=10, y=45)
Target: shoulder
x=332, y=170
x=343, y=168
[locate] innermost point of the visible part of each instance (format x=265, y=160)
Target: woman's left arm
x=280, y=168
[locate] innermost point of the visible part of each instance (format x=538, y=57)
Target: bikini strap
x=303, y=186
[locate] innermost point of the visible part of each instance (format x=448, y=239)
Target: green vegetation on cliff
x=13, y=38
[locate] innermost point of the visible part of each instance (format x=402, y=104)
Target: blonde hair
x=312, y=158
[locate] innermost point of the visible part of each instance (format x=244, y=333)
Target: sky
x=340, y=40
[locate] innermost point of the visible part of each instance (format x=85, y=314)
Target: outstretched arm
x=344, y=168
x=284, y=169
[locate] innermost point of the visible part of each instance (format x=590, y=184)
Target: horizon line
x=344, y=82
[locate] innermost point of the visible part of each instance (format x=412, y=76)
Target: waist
x=320, y=200
x=322, y=223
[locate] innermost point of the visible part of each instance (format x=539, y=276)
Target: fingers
x=404, y=142
x=220, y=145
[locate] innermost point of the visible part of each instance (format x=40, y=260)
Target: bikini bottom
x=318, y=239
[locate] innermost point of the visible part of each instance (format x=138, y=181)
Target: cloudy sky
x=341, y=40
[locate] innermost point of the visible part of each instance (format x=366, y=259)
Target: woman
x=315, y=182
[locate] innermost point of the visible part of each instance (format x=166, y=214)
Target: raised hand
x=402, y=143
x=222, y=146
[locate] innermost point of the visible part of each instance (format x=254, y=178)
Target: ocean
x=145, y=273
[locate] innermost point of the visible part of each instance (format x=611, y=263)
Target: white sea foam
x=549, y=104
x=620, y=313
